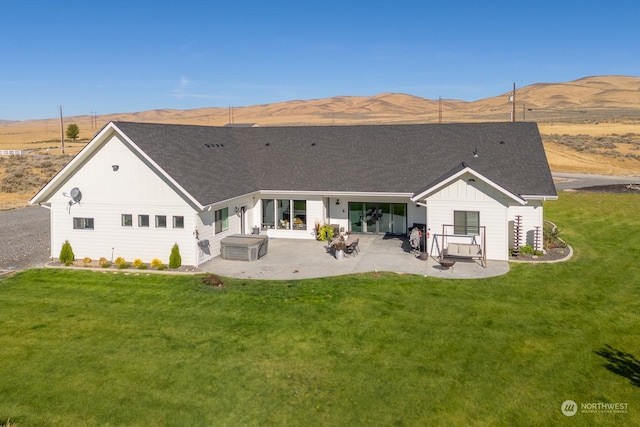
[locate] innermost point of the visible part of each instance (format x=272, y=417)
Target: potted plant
x=325, y=233
x=339, y=247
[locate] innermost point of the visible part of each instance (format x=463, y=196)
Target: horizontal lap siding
x=315, y=211
x=107, y=194
x=109, y=236
x=206, y=226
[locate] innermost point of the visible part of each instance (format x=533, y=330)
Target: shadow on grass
x=621, y=363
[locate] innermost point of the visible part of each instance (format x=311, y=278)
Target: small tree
x=73, y=131
x=175, y=260
x=66, y=253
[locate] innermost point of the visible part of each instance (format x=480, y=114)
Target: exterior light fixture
x=115, y=167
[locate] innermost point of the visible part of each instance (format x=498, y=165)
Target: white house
x=138, y=188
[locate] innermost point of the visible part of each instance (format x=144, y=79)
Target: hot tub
x=244, y=247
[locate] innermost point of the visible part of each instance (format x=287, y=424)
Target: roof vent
x=313, y=144
x=267, y=144
x=502, y=143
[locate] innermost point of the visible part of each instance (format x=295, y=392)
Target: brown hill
x=590, y=125
x=591, y=99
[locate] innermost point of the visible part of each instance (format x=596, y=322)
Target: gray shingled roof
x=218, y=163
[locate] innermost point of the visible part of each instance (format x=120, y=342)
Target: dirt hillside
x=590, y=125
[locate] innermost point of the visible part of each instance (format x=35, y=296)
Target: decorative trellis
x=517, y=235
x=537, y=239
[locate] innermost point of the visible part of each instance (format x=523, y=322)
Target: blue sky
x=127, y=56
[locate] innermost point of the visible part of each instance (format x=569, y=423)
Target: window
x=161, y=221
x=299, y=214
x=127, y=220
x=284, y=214
x=466, y=222
x=143, y=220
x=268, y=212
x=83, y=223
x=178, y=222
x=222, y=220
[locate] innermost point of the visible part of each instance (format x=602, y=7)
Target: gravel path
x=24, y=238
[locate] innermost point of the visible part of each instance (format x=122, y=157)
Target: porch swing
x=458, y=249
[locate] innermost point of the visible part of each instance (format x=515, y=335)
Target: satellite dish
x=76, y=195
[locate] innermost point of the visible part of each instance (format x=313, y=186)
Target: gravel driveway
x=24, y=238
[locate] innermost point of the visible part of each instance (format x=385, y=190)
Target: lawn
x=98, y=348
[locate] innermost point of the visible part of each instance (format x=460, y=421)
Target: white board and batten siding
x=492, y=205
x=532, y=217
x=107, y=194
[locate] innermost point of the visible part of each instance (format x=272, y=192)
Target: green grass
x=105, y=348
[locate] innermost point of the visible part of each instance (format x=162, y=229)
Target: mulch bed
x=560, y=253
x=551, y=255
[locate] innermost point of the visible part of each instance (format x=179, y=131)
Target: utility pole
x=61, y=132
x=513, y=103
x=440, y=109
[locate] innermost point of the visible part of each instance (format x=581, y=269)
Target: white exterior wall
x=532, y=217
x=315, y=211
x=107, y=194
x=205, y=222
x=339, y=214
x=477, y=196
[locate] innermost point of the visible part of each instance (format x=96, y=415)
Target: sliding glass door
x=378, y=218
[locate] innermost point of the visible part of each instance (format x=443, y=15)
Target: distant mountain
x=598, y=98
x=542, y=102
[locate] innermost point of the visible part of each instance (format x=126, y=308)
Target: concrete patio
x=305, y=259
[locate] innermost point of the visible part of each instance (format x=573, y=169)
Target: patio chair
x=353, y=248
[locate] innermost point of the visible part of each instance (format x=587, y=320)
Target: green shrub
x=143, y=267
x=66, y=253
x=325, y=233
x=526, y=249
x=175, y=260
x=105, y=264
